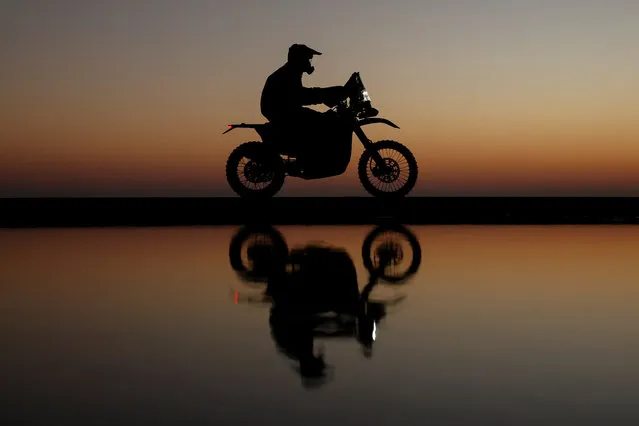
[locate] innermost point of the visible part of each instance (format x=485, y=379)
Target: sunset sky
x=494, y=97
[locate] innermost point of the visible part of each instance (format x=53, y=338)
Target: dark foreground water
x=498, y=325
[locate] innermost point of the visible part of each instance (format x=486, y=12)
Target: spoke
x=245, y=181
x=400, y=170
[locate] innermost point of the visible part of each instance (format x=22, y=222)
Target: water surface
x=499, y=325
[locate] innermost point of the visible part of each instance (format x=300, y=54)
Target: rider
x=284, y=98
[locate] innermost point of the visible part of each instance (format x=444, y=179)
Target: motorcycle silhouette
x=386, y=168
x=313, y=290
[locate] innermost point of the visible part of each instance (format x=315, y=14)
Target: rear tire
x=275, y=251
x=255, y=171
x=401, y=178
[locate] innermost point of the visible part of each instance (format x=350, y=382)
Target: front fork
x=369, y=146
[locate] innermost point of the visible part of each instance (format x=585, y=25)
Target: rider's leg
x=309, y=131
x=322, y=142
x=338, y=143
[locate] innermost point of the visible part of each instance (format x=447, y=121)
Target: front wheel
x=255, y=171
x=393, y=252
x=396, y=177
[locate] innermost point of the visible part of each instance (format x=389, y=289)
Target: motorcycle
x=313, y=290
x=386, y=168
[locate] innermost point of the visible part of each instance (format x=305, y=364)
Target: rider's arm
x=319, y=95
x=311, y=95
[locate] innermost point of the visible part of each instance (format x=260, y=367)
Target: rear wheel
x=255, y=249
x=396, y=177
x=255, y=171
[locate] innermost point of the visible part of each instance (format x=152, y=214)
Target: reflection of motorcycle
x=258, y=169
x=255, y=249
x=313, y=291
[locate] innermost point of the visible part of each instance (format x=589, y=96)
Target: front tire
x=255, y=171
x=393, y=251
x=400, y=176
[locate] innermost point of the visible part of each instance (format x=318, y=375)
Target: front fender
x=372, y=120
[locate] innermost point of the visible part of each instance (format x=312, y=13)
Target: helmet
x=300, y=55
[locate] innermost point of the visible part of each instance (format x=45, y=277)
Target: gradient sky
x=495, y=97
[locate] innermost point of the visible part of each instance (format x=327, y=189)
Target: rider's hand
x=334, y=95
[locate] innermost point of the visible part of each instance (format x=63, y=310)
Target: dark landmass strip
x=100, y=212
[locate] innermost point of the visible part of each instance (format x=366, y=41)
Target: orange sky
x=494, y=98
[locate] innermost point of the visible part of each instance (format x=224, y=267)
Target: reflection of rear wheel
x=254, y=250
x=398, y=176
x=253, y=170
x=394, y=251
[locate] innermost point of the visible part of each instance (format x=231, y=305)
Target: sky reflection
x=525, y=325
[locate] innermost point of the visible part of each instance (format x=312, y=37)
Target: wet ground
x=221, y=325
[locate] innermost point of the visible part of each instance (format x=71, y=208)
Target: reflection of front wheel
x=255, y=171
x=393, y=251
x=396, y=177
x=254, y=250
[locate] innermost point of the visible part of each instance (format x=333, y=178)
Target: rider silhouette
x=284, y=99
x=321, y=279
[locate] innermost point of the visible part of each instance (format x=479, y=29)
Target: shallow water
x=499, y=325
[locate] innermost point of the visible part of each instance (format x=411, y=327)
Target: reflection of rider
x=284, y=97
x=320, y=280
x=294, y=338
x=291, y=324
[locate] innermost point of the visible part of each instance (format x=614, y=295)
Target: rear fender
x=241, y=126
